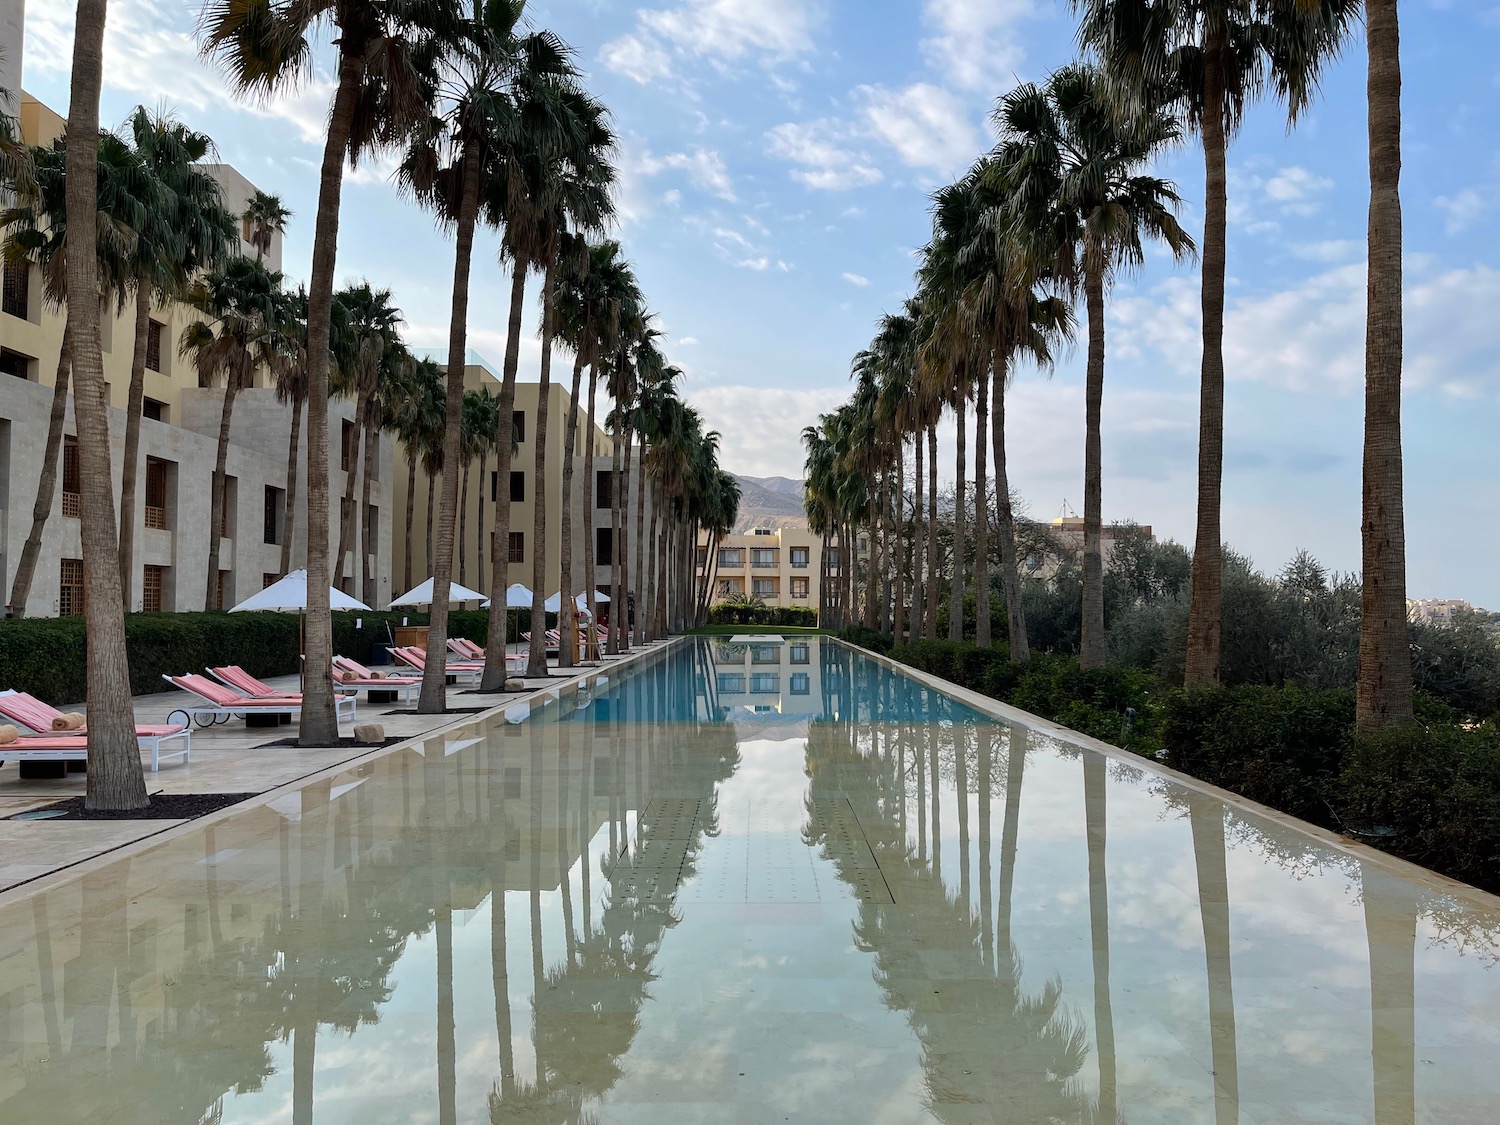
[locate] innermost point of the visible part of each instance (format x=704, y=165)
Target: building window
x=70, y=590
x=16, y=297
x=765, y=683
x=151, y=583
x=731, y=683
x=154, y=329
x=156, y=411
x=799, y=589
x=15, y=364
x=799, y=558
x=799, y=654
x=801, y=683
x=604, y=546
x=604, y=488
x=763, y=558
x=372, y=534
x=269, y=578
x=764, y=588
x=72, y=479
x=156, y=494
x=517, y=485
x=765, y=654
x=271, y=520
x=833, y=560
x=731, y=558
x=702, y=558
x=728, y=586
x=517, y=551
x=348, y=443
x=520, y=424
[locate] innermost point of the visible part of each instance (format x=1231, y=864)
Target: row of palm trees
x=493, y=128
x=1062, y=205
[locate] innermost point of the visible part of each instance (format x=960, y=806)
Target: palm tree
x=1384, y=693
x=472, y=436
x=417, y=411
x=265, y=216
x=1207, y=60
x=38, y=228
x=485, y=410
x=1082, y=207
x=186, y=231
x=240, y=309
x=289, y=375
x=366, y=348
x=384, y=56
x=115, y=780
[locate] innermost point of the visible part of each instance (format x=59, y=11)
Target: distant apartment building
x=781, y=567
x=179, y=441
x=1437, y=611
x=474, y=549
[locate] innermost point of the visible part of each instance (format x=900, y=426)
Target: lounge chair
x=388, y=689
x=30, y=712
x=342, y=664
x=222, y=703
x=465, y=649
x=236, y=678
x=470, y=670
x=46, y=748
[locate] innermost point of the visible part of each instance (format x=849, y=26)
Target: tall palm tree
x=385, y=51
x=37, y=223
x=485, y=411
x=289, y=377
x=471, y=442
x=239, y=310
x=265, y=216
x=186, y=231
x=1207, y=60
x=417, y=409
x=1083, y=207
x=115, y=780
x=1384, y=693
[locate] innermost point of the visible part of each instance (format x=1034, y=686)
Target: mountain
x=772, y=502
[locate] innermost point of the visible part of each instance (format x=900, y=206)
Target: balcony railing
x=72, y=505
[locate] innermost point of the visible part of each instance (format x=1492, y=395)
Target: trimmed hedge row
x=727, y=614
x=47, y=656
x=1430, y=793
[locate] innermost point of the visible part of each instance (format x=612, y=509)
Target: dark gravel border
x=346, y=743
x=163, y=806
x=449, y=711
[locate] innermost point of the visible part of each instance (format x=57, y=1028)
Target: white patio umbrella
x=422, y=595
x=516, y=597
x=290, y=595
x=554, y=603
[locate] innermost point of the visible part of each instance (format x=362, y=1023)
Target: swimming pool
x=771, y=882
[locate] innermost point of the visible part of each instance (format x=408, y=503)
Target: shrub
x=1438, y=788
x=743, y=613
x=872, y=639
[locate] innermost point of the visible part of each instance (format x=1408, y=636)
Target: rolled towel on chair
x=73, y=720
x=348, y=677
x=8, y=734
x=377, y=675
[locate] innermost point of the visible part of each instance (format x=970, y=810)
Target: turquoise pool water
x=745, y=884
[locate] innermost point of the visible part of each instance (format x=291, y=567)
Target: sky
x=776, y=161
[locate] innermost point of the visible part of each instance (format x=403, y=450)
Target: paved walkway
x=228, y=758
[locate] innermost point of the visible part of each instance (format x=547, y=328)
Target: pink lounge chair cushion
x=46, y=742
x=227, y=697
x=24, y=708
x=243, y=682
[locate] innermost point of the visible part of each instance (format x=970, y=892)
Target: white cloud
x=719, y=31
x=773, y=445
x=1297, y=190
x=1462, y=210
x=974, y=44
x=856, y=279
x=637, y=165
x=926, y=125
x=687, y=341
x=820, y=148
x=759, y=265
x=1255, y=197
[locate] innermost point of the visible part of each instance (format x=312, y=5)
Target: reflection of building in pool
x=784, y=677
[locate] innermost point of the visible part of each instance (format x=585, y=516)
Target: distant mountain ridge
x=773, y=502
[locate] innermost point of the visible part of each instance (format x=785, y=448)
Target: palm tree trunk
x=46, y=487
x=319, y=723
x=587, y=505
x=1095, y=813
x=960, y=501
x=289, y=521
x=1091, y=652
x=484, y=464
x=1015, y=611
x=115, y=780
x=931, y=625
x=431, y=509
x=536, y=664
x=568, y=622
x=641, y=581
x=434, y=696
x=659, y=546
x=624, y=545
x=982, y=630
x=896, y=599
x=128, y=468
x=411, y=514
x=1391, y=910
x=918, y=587
x=463, y=527
x=348, y=536
x=872, y=575
x=366, y=525
x=1385, y=679
x=1207, y=824
x=216, y=495
x=505, y=435
x=616, y=592
x=1205, y=614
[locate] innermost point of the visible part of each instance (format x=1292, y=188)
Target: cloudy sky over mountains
x=776, y=158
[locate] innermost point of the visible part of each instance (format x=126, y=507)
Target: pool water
x=759, y=883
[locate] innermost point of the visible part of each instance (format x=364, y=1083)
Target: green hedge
x=46, y=656
x=1429, y=793
x=726, y=614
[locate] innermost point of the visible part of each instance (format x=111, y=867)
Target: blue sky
x=776, y=160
